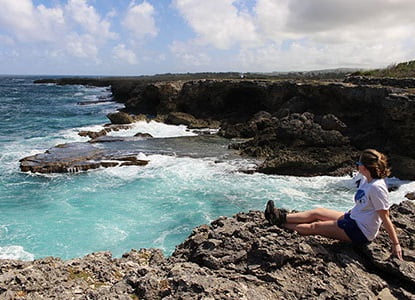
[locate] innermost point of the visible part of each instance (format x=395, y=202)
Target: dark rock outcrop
x=239, y=257
x=180, y=118
x=120, y=118
x=143, y=135
x=368, y=116
x=296, y=144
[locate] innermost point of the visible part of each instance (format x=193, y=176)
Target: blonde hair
x=376, y=162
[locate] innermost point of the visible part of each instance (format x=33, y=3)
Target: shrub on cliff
x=401, y=70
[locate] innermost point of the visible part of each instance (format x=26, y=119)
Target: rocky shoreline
x=301, y=128
x=296, y=128
x=239, y=257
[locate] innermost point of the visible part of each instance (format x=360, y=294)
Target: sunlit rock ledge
x=239, y=257
x=118, y=151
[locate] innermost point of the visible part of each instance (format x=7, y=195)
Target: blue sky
x=124, y=37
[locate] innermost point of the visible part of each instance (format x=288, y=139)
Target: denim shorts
x=352, y=230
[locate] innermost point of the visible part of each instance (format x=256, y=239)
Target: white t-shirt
x=370, y=197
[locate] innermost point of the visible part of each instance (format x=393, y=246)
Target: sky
x=135, y=37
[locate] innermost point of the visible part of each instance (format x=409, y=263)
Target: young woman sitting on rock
x=361, y=224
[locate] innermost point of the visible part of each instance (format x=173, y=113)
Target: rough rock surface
x=367, y=116
x=180, y=118
x=113, y=151
x=75, y=157
x=239, y=257
x=296, y=144
x=107, y=128
x=120, y=118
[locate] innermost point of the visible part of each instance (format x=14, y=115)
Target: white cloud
x=29, y=23
x=76, y=28
x=140, y=20
x=327, y=15
x=326, y=33
x=335, y=21
x=82, y=46
x=189, y=56
x=205, y=35
x=218, y=22
x=120, y=52
x=93, y=31
x=297, y=34
x=86, y=16
x=306, y=55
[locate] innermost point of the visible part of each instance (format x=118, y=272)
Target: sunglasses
x=359, y=163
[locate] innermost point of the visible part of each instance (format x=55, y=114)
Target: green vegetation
x=401, y=70
x=329, y=74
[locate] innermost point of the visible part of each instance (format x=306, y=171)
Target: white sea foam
x=159, y=242
x=15, y=252
x=3, y=231
x=293, y=193
x=404, y=188
x=110, y=233
x=156, y=129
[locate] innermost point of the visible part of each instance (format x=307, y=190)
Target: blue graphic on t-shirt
x=359, y=196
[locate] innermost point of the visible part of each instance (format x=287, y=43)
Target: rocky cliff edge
x=239, y=257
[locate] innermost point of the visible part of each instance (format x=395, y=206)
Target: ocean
x=118, y=209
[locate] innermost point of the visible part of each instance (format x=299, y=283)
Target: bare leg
x=317, y=214
x=324, y=228
x=318, y=221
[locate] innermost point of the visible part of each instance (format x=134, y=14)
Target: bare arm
x=390, y=229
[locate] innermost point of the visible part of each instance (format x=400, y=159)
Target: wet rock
x=76, y=157
x=120, y=118
x=93, y=134
x=143, y=135
x=103, y=100
x=107, y=151
x=116, y=127
x=107, y=129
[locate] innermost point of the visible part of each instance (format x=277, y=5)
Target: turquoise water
x=117, y=209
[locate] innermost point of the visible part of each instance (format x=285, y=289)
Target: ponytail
x=376, y=162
